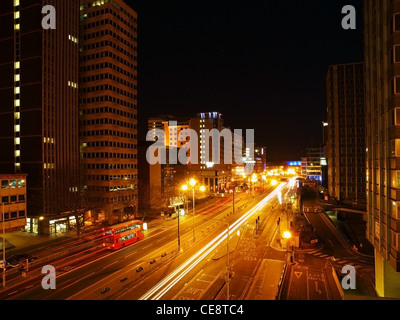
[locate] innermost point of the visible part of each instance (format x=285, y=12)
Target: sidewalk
x=20, y=241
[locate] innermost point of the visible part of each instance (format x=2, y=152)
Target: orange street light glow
x=287, y=235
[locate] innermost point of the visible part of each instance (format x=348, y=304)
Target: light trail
x=160, y=289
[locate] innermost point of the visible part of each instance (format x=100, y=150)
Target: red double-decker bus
x=121, y=235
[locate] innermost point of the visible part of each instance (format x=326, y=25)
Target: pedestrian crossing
x=332, y=259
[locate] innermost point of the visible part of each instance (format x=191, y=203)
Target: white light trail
x=160, y=289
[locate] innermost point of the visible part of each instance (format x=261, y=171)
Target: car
x=16, y=259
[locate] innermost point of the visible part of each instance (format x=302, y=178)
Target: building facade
x=345, y=144
x=13, y=202
x=214, y=175
x=108, y=109
x=260, y=154
x=382, y=76
x=39, y=95
x=311, y=167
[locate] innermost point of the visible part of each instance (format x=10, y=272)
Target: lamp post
x=179, y=236
x=4, y=249
x=192, y=184
x=228, y=276
x=287, y=235
x=234, y=184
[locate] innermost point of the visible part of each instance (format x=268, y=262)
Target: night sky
x=262, y=64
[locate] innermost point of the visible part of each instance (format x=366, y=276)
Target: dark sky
x=261, y=63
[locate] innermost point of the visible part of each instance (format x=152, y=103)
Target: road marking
x=298, y=274
x=28, y=287
x=10, y=294
x=130, y=254
x=109, y=265
x=147, y=247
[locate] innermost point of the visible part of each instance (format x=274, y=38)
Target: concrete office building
x=108, y=109
x=39, y=102
x=345, y=145
x=382, y=76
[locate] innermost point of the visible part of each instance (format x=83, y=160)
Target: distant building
x=345, y=145
x=214, y=176
x=311, y=167
x=382, y=74
x=158, y=183
x=158, y=123
x=175, y=133
x=260, y=154
x=13, y=201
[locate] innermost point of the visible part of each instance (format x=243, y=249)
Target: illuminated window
x=16, y=27
x=396, y=179
x=17, y=90
x=16, y=15
x=17, y=65
x=17, y=77
x=17, y=103
x=16, y=3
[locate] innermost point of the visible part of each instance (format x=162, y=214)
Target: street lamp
x=228, y=267
x=4, y=249
x=192, y=184
x=287, y=235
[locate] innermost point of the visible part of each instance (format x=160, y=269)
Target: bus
x=121, y=235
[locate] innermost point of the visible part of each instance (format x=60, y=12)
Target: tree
x=72, y=202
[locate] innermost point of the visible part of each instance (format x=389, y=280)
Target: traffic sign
x=2, y=264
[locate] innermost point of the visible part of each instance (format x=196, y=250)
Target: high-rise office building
x=39, y=101
x=215, y=175
x=108, y=108
x=260, y=154
x=382, y=76
x=345, y=145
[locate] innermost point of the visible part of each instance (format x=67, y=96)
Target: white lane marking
x=109, y=265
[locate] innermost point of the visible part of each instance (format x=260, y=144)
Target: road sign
x=2, y=264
